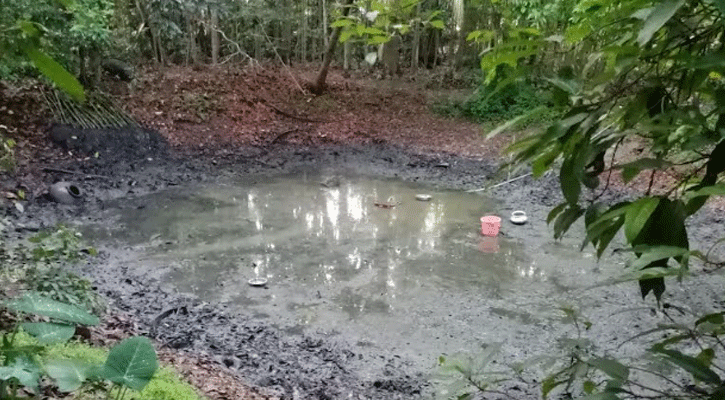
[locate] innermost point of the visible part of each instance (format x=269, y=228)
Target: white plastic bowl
x=518, y=217
x=257, y=281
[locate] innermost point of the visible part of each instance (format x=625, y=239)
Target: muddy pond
x=363, y=260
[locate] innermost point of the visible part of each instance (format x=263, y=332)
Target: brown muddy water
x=360, y=258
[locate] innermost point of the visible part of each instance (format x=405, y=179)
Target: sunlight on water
x=368, y=242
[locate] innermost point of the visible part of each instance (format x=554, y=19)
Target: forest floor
x=257, y=119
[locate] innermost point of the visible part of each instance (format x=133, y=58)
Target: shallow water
x=356, y=256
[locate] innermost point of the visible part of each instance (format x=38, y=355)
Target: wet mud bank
x=307, y=364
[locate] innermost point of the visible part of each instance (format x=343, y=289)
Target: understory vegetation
x=41, y=351
x=489, y=105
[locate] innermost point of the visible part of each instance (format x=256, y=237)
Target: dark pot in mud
x=65, y=193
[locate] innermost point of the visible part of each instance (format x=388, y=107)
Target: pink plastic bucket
x=490, y=225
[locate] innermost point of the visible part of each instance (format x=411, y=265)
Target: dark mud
x=296, y=365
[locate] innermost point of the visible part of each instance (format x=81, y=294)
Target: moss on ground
x=165, y=385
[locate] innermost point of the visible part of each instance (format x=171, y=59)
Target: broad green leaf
x=690, y=364
x=549, y=384
x=34, y=303
x=69, y=375
x=375, y=40
x=25, y=370
x=715, y=319
x=480, y=35
x=666, y=226
x=575, y=33
x=713, y=190
x=29, y=28
x=647, y=273
x=346, y=34
x=713, y=60
x=56, y=73
x=569, y=180
x=438, y=24
x=512, y=122
x=566, y=219
x=47, y=332
x=607, y=235
x=542, y=164
x=611, y=367
x=131, y=363
x=656, y=253
x=706, y=356
x=373, y=31
x=638, y=213
x=659, y=16
x=555, y=212
x=342, y=23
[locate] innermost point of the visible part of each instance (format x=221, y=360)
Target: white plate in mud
x=257, y=281
x=518, y=217
x=423, y=197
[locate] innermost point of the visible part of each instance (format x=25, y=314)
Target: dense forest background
x=426, y=33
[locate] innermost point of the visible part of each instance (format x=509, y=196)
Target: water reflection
x=296, y=230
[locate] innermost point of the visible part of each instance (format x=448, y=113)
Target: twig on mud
x=65, y=171
x=282, y=136
x=286, y=114
x=499, y=184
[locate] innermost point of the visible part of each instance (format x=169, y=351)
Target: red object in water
x=490, y=225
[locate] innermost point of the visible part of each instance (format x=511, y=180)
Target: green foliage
x=28, y=27
x=130, y=364
x=166, y=385
x=58, y=246
x=461, y=376
x=40, y=265
x=488, y=104
x=34, y=303
x=7, y=154
x=65, y=286
x=66, y=357
x=20, y=366
x=383, y=19
x=652, y=72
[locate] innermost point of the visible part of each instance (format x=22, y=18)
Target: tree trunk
x=416, y=42
x=214, y=36
x=153, y=36
x=346, y=56
x=191, y=50
x=305, y=33
x=319, y=85
x=324, y=23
